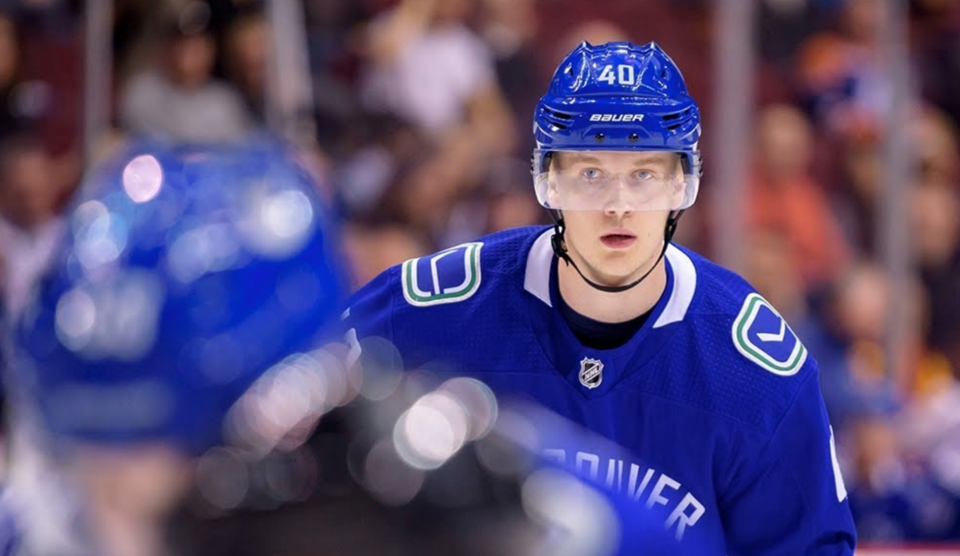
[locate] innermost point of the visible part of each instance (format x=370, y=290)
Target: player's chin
x=626, y=267
x=619, y=272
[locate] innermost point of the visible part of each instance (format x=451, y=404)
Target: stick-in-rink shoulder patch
x=763, y=336
x=450, y=276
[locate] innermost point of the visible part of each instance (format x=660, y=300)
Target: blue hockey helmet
x=617, y=97
x=185, y=275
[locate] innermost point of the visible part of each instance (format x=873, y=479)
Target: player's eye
x=591, y=174
x=645, y=175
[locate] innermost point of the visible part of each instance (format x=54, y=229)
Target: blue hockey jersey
x=10, y=534
x=715, y=399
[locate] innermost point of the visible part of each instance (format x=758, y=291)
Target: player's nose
x=619, y=202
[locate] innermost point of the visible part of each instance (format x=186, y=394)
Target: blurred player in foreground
x=186, y=274
x=603, y=320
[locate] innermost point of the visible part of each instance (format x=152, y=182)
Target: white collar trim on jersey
x=684, y=284
x=540, y=259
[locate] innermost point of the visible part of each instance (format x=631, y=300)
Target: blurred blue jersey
x=715, y=399
x=10, y=540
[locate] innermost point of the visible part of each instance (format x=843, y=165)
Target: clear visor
x=616, y=180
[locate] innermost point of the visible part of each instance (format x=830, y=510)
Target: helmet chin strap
x=560, y=248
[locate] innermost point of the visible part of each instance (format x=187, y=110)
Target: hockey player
x=188, y=273
x=605, y=321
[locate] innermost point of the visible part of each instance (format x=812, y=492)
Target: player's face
x=618, y=243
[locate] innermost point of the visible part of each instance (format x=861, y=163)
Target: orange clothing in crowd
x=799, y=209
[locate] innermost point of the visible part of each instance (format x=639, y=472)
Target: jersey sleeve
x=370, y=310
x=792, y=500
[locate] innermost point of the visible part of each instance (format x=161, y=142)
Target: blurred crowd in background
x=423, y=112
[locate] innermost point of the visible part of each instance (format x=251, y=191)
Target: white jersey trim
x=684, y=286
x=539, y=260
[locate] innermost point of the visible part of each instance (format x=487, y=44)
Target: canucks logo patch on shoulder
x=763, y=336
x=450, y=276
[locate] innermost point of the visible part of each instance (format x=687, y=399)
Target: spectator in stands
x=180, y=99
x=840, y=73
x=859, y=176
x=849, y=347
x=509, y=28
x=428, y=67
x=31, y=195
x=935, y=233
x=427, y=189
x=246, y=53
x=782, y=194
x=935, y=144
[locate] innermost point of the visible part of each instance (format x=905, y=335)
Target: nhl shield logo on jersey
x=763, y=336
x=591, y=372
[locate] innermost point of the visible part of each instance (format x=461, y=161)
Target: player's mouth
x=618, y=239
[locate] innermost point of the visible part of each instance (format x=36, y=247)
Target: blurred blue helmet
x=185, y=275
x=617, y=97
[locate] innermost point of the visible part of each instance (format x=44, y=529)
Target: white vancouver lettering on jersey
x=652, y=488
